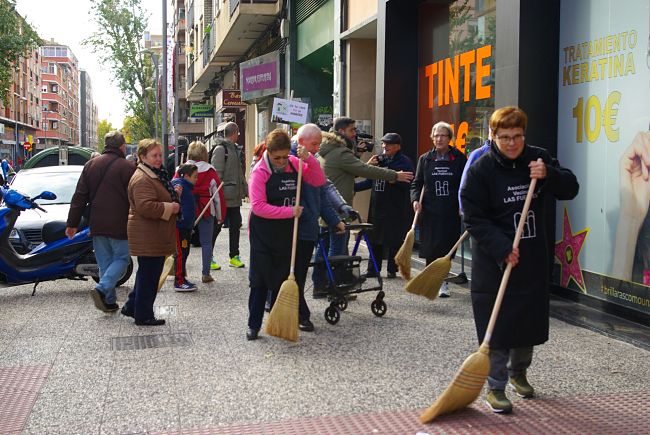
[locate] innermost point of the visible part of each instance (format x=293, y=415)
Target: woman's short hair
x=146, y=145
x=278, y=140
x=508, y=117
x=197, y=151
x=444, y=125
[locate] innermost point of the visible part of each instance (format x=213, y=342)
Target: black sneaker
x=126, y=312
x=391, y=275
x=150, y=322
x=111, y=308
x=306, y=326
x=252, y=334
x=98, y=299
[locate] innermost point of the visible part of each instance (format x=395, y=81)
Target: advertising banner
x=603, y=236
x=288, y=111
x=260, y=77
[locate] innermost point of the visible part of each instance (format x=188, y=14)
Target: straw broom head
x=403, y=256
x=428, y=282
x=464, y=389
x=167, y=267
x=283, y=319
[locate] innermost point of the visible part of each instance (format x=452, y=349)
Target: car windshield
x=63, y=184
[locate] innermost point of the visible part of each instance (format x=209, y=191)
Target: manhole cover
x=138, y=342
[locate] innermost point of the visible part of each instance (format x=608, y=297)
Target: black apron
x=270, y=239
x=440, y=220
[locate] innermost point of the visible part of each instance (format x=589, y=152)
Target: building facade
x=23, y=113
x=183, y=124
x=59, y=96
x=87, y=112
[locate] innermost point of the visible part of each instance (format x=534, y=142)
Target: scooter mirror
x=45, y=195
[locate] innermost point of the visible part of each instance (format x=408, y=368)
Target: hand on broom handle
x=216, y=192
x=294, y=239
x=506, y=273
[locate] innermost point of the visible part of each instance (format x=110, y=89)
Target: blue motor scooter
x=57, y=257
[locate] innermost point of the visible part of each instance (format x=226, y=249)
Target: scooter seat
x=53, y=231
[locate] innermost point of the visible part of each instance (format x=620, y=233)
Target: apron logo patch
x=442, y=188
x=530, y=228
x=380, y=185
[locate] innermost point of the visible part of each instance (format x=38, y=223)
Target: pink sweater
x=311, y=174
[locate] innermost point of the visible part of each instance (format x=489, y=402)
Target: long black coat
x=391, y=212
x=493, y=197
x=439, y=220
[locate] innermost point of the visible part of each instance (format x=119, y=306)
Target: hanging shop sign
x=201, y=111
x=260, y=77
x=228, y=100
x=603, y=235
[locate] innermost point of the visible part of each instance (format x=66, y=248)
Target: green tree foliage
x=134, y=130
x=17, y=40
x=121, y=25
x=103, y=127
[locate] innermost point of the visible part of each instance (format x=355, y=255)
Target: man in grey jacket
x=226, y=159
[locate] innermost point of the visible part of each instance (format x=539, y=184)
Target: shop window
x=456, y=77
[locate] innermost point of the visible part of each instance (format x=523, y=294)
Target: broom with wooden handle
x=428, y=282
x=469, y=379
x=403, y=256
x=283, y=318
x=169, y=261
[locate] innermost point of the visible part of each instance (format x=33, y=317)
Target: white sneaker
x=444, y=290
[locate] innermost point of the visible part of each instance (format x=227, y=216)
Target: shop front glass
x=603, y=236
x=456, y=70
x=456, y=45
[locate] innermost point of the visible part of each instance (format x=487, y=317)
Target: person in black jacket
x=493, y=197
x=439, y=172
x=390, y=209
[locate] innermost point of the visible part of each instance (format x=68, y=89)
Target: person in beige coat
x=151, y=229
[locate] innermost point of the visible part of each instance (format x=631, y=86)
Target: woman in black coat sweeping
x=493, y=197
x=439, y=172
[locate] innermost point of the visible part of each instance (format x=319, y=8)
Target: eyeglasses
x=440, y=136
x=518, y=138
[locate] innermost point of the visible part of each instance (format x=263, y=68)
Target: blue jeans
x=206, y=226
x=335, y=244
x=112, y=258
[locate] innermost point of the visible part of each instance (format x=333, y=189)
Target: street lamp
x=15, y=147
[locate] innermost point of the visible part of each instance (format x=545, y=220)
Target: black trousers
x=144, y=292
x=233, y=215
x=381, y=252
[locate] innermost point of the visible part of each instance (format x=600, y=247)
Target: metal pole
x=155, y=121
x=177, y=83
x=165, y=139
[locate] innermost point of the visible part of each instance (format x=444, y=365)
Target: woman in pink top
x=272, y=191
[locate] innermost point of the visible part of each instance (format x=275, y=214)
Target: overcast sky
x=69, y=22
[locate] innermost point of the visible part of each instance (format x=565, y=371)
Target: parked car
x=61, y=180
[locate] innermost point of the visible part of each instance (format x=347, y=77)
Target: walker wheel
x=332, y=315
x=342, y=304
x=378, y=307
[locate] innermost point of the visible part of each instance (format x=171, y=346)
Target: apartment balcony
x=50, y=96
x=236, y=27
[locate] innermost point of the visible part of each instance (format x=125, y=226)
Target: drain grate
x=139, y=342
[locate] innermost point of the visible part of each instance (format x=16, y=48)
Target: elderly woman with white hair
x=438, y=172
